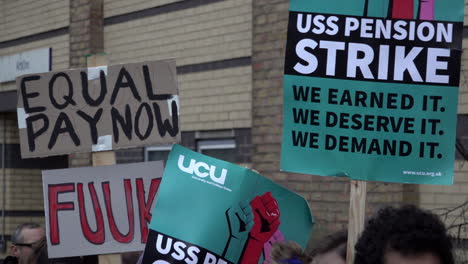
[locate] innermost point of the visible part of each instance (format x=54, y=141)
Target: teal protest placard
x=213, y=212
x=371, y=89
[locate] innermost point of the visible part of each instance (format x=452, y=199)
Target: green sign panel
x=371, y=89
x=214, y=212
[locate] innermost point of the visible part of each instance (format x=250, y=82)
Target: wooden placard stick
x=103, y=158
x=357, y=210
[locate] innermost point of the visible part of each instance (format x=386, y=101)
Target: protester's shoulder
x=69, y=260
x=10, y=260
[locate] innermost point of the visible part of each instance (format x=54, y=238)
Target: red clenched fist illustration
x=266, y=222
x=266, y=217
x=403, y=9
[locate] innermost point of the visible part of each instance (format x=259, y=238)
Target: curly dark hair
x=408, y=230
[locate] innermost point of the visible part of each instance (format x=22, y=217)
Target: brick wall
x=463, y=94
x=218, y=99
x=269, y=38
x=26, y=17
x=466, y=13
x=441, y=198
x=23, y=186
x=202, y=34
x=10, y=134
x=22, y=177
x=118, y=7
x=450, y=203
x=85, y=30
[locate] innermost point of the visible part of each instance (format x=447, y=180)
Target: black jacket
x=10, y=260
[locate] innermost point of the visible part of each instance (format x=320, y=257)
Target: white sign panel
x=31, y=61
x=99, y=210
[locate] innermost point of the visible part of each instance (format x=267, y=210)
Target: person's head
x=24, y=240
x=406, y=235
x=288, y=253
x=39, y=255
x=332, y=250
x=131, y=257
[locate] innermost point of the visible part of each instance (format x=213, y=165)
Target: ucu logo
x=202, y=170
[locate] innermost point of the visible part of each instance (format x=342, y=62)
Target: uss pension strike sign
x=371, y=89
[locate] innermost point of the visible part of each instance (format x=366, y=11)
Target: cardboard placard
x=371, y=89
x=98, y=109
x=212, y=211
x=99, y=210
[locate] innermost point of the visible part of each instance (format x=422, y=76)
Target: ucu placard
x=202, y=170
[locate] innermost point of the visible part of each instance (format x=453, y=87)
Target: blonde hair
x=288, y=250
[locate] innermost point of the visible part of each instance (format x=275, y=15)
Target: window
x=224, y=149
x=158, y=153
